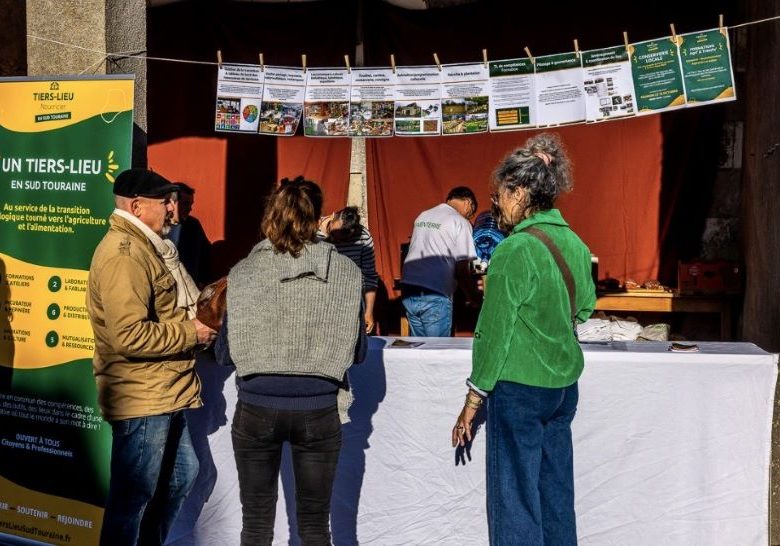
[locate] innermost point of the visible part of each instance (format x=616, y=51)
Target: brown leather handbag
x=212, y=304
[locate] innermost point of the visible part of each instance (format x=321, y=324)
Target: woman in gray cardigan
x=295, y=327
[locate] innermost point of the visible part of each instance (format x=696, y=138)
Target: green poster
x=655, y=66
x=706, y=66
x=61, y=145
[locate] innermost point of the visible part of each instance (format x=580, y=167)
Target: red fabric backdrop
x=614, y=206
x=321, y=160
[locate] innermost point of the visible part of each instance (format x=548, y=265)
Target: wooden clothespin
x=262, y=62
x=720, y=25
x=625, y=42
x=485, y=57
x=219, y=58
x=346, y=62
x=436, y=60
x=528, y=52
x=392, y=62
x=577, y=47
x=303, y=61
x=674, y=33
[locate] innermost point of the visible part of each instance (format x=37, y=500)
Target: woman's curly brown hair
x=292, y=215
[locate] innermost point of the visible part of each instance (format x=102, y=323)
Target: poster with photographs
x=608, y=84
x=239, y=94
x=326, y=105
x=371, y=102
x=282, y=100
x=464, y=99
x=706, y=67
x=655, y=65
x=512, y=97
x=559, y=96
x=418, y=101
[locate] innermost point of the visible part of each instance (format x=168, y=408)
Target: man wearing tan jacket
x=143, y=363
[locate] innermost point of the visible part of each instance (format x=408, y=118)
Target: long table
x=670, y=302
x=670, y=448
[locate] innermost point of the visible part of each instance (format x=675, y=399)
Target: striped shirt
x=361, y=251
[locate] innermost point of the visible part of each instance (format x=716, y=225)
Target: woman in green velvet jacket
x=526, y=358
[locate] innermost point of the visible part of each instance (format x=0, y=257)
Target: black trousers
x=315, y=438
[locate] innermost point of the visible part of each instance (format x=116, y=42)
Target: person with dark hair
x=189, y=237
x=140, y=307
x=437, y=263
x=526, y=359
x=351, y=239
x=293, y=327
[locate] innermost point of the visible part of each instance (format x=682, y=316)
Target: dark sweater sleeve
x=221, y=347
x=361, y=347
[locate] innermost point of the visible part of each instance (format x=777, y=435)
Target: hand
x=481, y=284
x=369, y=318
x=324, y=226
x=461, y=432
x=205, y=334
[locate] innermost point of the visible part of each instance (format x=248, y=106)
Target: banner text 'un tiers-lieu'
x=62, y=142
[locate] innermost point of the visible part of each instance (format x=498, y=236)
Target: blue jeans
x=429, y=315
x=530, y=472
x=153, y=468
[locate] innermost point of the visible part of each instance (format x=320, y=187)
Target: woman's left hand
x=369, y=318
x=461, y=432
x=324, y=226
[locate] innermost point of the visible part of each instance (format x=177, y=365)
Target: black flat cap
x=142, y=183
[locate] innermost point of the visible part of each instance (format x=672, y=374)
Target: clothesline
x=139, y=54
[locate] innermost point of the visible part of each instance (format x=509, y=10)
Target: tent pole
x=357, y=195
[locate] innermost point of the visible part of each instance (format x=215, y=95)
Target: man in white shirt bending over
x=439, y=254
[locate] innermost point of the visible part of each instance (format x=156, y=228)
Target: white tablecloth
x=670, y=448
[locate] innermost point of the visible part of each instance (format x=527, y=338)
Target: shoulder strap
x=562, y=265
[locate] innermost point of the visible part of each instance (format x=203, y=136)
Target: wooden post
x=761, y=180
x=357, y=195
x=760, y=206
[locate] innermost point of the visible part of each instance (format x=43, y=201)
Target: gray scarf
x=187, y=291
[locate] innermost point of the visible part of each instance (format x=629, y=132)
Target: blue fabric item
x=486, y=236
x=530, y=471
x=288, y=392
x=151, y=457
x=429, y=315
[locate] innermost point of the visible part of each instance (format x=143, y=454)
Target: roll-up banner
x=62, y=143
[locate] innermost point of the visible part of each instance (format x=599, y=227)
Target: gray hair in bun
x=541, y=168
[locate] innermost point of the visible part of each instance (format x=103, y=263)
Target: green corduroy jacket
x=524, y=333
